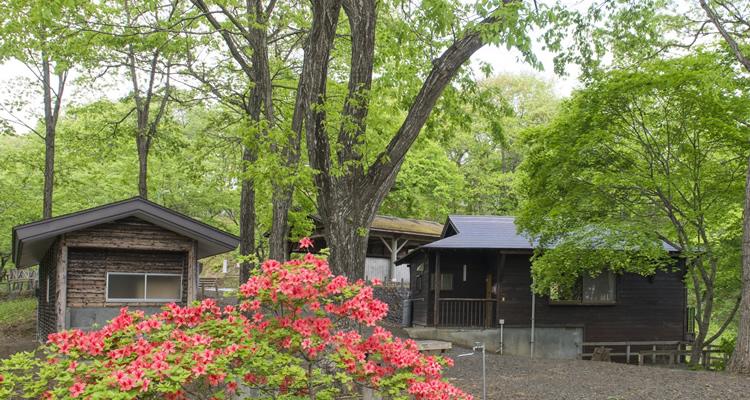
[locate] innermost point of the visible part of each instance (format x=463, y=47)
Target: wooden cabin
x=132, y=253
x=484, y=280
x=389, y=238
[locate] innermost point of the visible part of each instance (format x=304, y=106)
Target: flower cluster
x=295, y=333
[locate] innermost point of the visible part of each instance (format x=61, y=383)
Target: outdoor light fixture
x=480, y=346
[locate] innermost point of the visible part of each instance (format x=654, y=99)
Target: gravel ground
x=520, y=378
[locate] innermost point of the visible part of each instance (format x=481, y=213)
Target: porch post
x=498, y=280
x=436, y=277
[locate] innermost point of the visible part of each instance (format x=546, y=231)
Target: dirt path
x=519, y=378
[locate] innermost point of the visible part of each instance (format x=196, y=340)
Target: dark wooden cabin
x=132, y=253
x=484, y=270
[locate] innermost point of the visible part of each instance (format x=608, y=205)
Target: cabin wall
x=127, y=245
x=87, y=272
x=646, y=309
x=46, y=315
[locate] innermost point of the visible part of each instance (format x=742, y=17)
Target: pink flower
x=76, y=389
x=305, y=243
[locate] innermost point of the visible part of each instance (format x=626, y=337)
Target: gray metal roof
x=484, y=232
x=31, y=241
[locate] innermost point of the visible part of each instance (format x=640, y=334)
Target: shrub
x=296, y=333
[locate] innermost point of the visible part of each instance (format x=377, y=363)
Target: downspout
x=533, y=314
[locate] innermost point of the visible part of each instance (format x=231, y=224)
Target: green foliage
x=639, y=156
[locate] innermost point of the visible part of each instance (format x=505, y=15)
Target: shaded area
x=17, y=326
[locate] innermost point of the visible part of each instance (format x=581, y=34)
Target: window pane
x=125, y=286
x=163, y=287
x=600, y=289
x=446, y=282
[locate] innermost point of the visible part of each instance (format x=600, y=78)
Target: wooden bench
x=433, y=346
x=208, y=282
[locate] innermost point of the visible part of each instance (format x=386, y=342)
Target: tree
x=731, y=21
x=38, y=35
x=243, y=29
x=636, y=158
x=295, y=334
x=137, y=40
x=351, y=178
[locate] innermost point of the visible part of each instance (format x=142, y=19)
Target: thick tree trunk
x=247, y=216
x=347, y=240
x=740, y=360
x=278, y=242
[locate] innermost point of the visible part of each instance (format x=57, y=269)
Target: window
x=587, y=290
x=143, y=287
x=446, y=282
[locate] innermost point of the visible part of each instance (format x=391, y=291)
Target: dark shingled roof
x=31, y=241
x=484, y=232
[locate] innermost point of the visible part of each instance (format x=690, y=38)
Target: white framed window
x=144, y=287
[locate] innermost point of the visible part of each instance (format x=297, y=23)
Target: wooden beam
x=192, y=273
x=436, y=279
x=498, y=281
x=61, y=303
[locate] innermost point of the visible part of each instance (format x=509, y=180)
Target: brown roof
x=387, y=223
x=31, y=241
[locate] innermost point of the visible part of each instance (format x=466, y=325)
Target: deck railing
x=466, y=313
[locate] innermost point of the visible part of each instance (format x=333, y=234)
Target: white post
x=533, y=314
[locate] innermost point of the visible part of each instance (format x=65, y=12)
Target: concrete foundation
x=95, y=317
x=549, y=342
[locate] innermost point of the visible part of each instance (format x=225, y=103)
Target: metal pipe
x=502, y=324
x=478, y=346
x=533, y=315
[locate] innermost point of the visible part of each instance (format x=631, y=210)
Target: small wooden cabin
x=484, y=278
x=132, y=253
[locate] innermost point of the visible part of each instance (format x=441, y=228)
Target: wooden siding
x=646, y=308
x=88, y=267
x=129, y=233
x=46, y=313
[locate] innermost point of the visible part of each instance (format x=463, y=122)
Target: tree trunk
x=247, y=216
x=49, y=139
x=740, y=360
x=278, y=242
x=347, y=240
x=143, y=149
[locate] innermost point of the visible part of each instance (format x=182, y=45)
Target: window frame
x=145, y=288
x=582, y=301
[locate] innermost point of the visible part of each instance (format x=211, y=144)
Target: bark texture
x=52, y=104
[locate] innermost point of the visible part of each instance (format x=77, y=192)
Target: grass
x=15, y=311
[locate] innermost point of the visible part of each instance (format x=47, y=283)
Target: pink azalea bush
x=295, y=334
